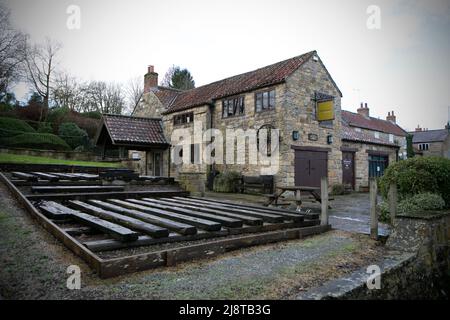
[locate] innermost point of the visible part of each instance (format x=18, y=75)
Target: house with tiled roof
x=297, y=97
x=432, y=142
x=369, y=145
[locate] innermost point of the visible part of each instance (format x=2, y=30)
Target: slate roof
x=259, y=78
x=430, y=136
x=356, y=120
x=134, y=130
x=350, y=134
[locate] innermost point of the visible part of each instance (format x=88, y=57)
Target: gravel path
x=33, y=266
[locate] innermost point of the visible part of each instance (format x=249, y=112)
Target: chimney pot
x=391, y=117
x=150, y=79
x=363, y=111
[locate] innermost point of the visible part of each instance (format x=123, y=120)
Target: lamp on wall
x=330, y=139
x=295, y=135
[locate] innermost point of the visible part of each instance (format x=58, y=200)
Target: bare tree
x=167, y=80
x=68, y=92
x=103, y=97
x=12, y=47
x=134, y=90
x=41, y=63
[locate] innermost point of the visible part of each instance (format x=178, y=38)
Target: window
x=377, y=165
x=391, y=138
x=233, y=107
x=424, y=146
x=377, y=134
x=264, y=100
x=271, y=145
x=183, y=118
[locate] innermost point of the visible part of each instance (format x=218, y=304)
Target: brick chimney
x=150, y=80
x=418, y=129
x=363, y=110
x=391, y=117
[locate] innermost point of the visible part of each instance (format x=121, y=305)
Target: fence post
x=373, y=209
x=393, y=197
x=324, y=200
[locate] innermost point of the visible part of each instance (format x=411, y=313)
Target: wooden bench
x=122, y=174
x=264, y=184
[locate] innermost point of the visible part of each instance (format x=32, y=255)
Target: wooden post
x=393, y=201
x=373, y=209
x=324, y=200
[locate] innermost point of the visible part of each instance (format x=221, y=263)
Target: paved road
x=352, y=213
x=349, y=213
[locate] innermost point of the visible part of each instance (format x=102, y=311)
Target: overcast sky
x=403, y=66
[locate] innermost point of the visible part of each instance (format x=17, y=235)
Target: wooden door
x=310, y=167
x=157, y=164
x=348, y=169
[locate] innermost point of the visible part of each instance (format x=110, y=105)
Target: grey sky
x=404, y=66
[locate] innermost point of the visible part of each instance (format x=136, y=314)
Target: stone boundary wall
x=417, y=264
x=194, y=182
x=63, y=155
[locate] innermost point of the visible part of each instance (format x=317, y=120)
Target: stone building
x=432, y=142
x=297, y=97
x=369, y=145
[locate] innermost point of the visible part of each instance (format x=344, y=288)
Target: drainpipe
x=211, y=121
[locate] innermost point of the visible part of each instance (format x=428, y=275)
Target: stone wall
x=399, y=140
x=299, y=113
x=194, y=182
x=149, y=106
x=434, y=149
x=63, y=155
x=416, y=266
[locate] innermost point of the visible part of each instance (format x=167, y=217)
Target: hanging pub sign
x=324, y=107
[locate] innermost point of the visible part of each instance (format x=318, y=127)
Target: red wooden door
x=348, y=169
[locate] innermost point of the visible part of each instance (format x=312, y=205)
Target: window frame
x=181, y=119
x=236, y=104
x=269, y=101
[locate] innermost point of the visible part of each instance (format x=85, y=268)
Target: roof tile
x=356, y=120
x=134, y=130
x=269, y=75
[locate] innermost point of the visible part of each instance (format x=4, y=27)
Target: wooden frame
x=268, y=91
x=111, y=267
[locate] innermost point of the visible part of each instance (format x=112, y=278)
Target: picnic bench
x=313, y=191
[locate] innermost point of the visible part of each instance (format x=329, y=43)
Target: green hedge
x=43, y=141
x=73, y=135
x=414, y=204
x=225, y=182
x=418, y=175
x=10, y=127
